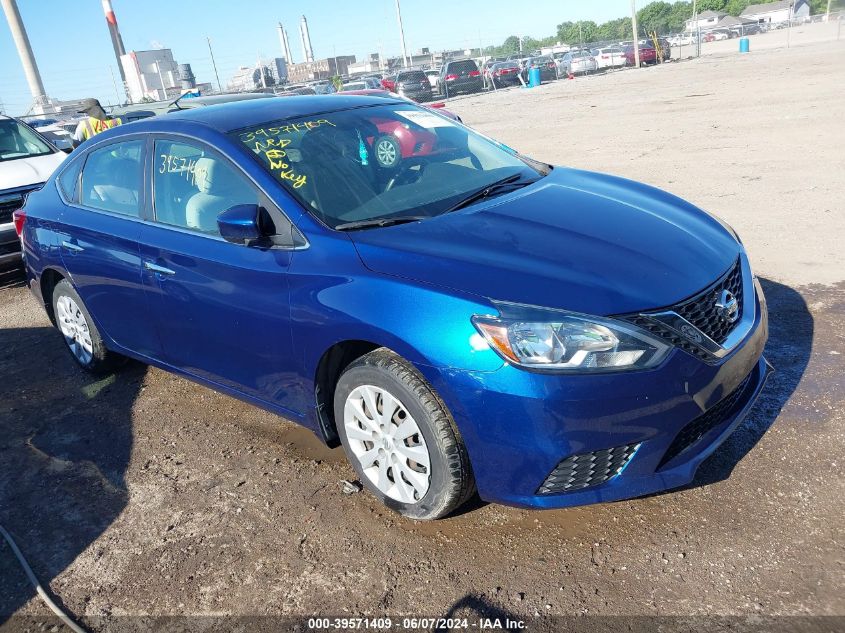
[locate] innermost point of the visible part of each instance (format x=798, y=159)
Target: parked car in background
x=322, y=87
x=414, y=85
x=140, y=111
x=681, y=39
x=577, y=62
x=432, y=74
x=608, y=57
x=386, y=94
x=461, y=75
x=355, y=85
x=502, y=74
x=53, y=132
x=544, y=63
x=27, y=159
x=647, y=55
x=462, y=319
x=388, y=82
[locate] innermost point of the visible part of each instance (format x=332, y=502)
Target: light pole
x=401, y=35
x=214, y=64
x=634, y=29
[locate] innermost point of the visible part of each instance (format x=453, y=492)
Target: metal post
x=161, y=79
x=636, y=37
x=116, y=93
x=789, y=25
x=210, y=52
x=401, y=35
x=30, y=68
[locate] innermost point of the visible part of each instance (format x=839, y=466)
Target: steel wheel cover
x=74, y=327
x=387, y=443
x=386, y=153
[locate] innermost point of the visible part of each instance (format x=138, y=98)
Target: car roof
x=227, y=117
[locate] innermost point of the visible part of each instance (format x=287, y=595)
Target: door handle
x=161, y=270
x=72, y=247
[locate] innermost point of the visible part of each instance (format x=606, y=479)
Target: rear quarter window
x=464, y=65
x=414, y=76
x=68, y=180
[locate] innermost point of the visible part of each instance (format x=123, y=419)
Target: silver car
x=577, y=62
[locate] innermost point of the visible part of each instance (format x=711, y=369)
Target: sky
x=74, y=54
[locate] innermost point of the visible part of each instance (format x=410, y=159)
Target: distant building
x=279, y=70
x=151, y=75
x=320, y=68
x=370, y=64
x=705, y=20
x=248, y=78
x=774, y=12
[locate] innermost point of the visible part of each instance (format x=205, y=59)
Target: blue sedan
x=458, y=316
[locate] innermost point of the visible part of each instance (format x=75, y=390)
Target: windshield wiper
x=488, y=190
x=379, y=222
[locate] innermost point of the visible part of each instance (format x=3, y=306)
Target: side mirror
x=240, y=224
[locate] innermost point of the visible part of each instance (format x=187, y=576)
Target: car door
x=98, y=234
x=221, y=309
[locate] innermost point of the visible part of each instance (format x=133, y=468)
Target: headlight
x=563, y=341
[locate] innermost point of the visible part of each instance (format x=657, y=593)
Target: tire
x=81, y=336
x=387, y=151
x=424, y=492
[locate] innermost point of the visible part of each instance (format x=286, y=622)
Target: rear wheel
x=400, y=438
x=82, y=338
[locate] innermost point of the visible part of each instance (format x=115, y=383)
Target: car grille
x=706, y=422
x=12, y=200
x=587, y=469
x=700, y=310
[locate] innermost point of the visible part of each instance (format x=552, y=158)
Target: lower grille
x=706, y=422
x=11, y=200
x=587, y=469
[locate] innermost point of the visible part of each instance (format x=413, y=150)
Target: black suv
x=458, y=76
x=413, y=84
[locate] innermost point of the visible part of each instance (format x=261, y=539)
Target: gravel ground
x=143, y=493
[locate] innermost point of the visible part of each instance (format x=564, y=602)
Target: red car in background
x=397, y=141
x=647, y=55
x=389, y=83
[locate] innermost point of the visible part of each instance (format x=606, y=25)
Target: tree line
x=663, y=17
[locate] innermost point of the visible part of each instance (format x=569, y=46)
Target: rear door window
x=112, y=178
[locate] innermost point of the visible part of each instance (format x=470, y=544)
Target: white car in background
x=26, y=161
x=52, y=130
x=609, y=57
x=433, y=75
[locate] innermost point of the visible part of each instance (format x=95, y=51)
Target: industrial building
x=320, y=68
x=152, y=75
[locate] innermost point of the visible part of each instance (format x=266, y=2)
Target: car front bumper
x=522, y=427
x=10, y=245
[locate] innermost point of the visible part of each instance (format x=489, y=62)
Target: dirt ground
x=143, y=493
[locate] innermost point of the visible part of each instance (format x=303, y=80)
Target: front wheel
x=400, y=439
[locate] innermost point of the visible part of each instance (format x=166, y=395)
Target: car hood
x=28, y=171
x=574, y=240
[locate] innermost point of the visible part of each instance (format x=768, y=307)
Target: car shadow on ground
x=64, y=449
x=789, y=349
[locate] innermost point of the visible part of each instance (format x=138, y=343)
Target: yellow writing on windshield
x=289, y=128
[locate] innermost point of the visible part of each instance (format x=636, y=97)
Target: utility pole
x=211, y=52
x=634, y=29
x=697, y=28
x=161, y=79
x=401, y=35
x=789, y=25
x=116, y=93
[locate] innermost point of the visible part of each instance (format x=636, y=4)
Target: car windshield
x=19, y=141
x=382, y=162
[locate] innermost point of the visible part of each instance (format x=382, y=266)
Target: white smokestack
x=283, y=37
x=307, y=52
